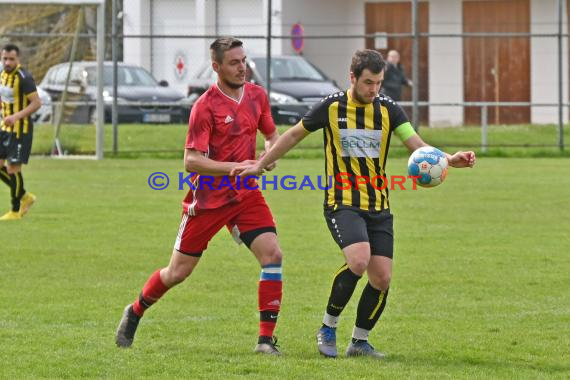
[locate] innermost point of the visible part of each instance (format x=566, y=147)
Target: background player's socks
x=4, y=176
x=152, y=291
x=343, y=286
x=270, y=292
x=370, y=308
x=16, y=190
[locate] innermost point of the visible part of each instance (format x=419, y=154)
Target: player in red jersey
x=222, y=134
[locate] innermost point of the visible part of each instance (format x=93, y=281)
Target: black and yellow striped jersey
x=356, y=142
x=15, y=89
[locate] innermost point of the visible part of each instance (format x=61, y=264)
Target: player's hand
x=269, y=167
x=462, y=160
x=254, y=170
x=10, y=120
x=248, y=162
x=247, y=167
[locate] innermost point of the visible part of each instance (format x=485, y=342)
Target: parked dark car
x=156, y=103
x=296, y=84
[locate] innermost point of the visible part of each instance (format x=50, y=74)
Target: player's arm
x=284, y=143
x=196, y=162
x=267, y=127
x=413, y=141
x=457, y=160
x=270, y=140
x=35, y=104
x=409, y=137
x=313, y=120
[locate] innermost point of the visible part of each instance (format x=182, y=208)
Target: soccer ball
x=430, y=164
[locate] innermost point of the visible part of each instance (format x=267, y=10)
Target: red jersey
x=225, y=129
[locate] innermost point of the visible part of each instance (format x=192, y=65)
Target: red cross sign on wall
x=180, y=65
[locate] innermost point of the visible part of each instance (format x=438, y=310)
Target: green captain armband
x=405, y=131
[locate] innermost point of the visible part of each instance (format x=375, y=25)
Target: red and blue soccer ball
x=430, y=164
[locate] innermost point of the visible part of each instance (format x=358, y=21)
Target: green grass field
x=144, y=140
x=480, y=286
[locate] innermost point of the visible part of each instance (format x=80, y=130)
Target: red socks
x=152, y=291
x=270, y=292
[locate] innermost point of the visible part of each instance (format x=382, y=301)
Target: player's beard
x=234, y=86
x=359, y=99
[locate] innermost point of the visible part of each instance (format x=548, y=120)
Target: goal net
x=53, y=37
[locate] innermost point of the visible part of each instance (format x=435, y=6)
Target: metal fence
x=254, y=21
x=415, y=35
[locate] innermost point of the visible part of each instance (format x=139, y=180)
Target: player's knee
x=380, y=281
x=12, y=169
x=272, y=256
x=385, y=281
x=358, y=265
x=277, y=255
x=174, y=276
x=178, y=277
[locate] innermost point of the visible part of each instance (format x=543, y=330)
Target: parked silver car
x=141, y=98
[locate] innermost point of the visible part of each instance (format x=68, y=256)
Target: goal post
x=100, y=38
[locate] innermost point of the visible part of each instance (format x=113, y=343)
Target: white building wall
x=331, y=17
x=544, y=61
x=321, y=18
x=193, y=17
x=206, y=19
x=445, y=62
x=445, y=56
x=249, y=17
x=348, y=17
x=136, y=20
x=164, y=52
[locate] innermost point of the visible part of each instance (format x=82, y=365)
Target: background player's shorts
x=15, y=151
x=351, y=225
x=251, y=216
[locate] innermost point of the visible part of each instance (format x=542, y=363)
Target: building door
x=397, y=18
x=497, y=68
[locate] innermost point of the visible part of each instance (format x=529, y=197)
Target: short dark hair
x=367, y=59
x=11, y=47
x=221, y=45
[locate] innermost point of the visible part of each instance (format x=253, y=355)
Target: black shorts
x=15, y=151
x=351, y=225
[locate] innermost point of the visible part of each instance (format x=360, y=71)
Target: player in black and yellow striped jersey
x=355, y=147
x=20, y=100
x=357, y=127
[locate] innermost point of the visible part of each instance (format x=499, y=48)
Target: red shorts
x=251, y=216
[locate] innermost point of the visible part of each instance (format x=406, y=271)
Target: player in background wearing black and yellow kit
x=19, y=101
x=357, y=126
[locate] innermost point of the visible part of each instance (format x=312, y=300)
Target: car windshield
x=127, y=76
x=288, y=69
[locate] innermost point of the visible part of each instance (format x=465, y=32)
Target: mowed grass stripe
x=479, y=288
